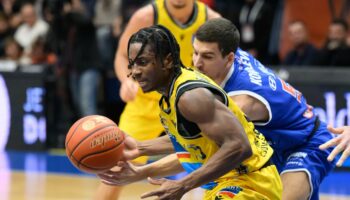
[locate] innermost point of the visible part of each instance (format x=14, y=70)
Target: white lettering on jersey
x=254, y=76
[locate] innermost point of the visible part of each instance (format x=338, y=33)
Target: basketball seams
x=88, y=135
x=82, y=120
x=80, y=162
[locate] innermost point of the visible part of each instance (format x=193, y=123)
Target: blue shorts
x=309, y=159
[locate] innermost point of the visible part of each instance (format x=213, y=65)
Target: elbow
x=247, y=152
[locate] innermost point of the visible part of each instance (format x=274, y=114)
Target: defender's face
x=208, y=59
x=145, y=70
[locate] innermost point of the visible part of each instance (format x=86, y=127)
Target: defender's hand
x=342, y=143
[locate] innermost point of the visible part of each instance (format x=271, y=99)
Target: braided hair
x=161, y=40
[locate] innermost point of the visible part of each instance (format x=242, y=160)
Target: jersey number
x=292, y=91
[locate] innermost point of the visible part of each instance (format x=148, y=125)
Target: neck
x=224, y=73
x=181, y=15
x=168, y=80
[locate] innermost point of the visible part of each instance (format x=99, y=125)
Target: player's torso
x=182, y=32
x=192, y=147
x=290, y=120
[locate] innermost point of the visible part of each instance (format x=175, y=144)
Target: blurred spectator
x=5, y=32
x=30, y=30
x=255, y=22
x=13, y=50
x=39, y=54
x=129, y=7
x=303, y=52
x=81, y=57
x=11, y=8
x=107, y=21
x=336, y=51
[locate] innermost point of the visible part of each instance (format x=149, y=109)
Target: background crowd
x=76, y=41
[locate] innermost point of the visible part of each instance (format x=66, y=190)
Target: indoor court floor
x=50, y=176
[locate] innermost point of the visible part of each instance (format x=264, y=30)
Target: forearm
x=121, y=66
x=224, y=160
x=166, y=166
x=158, y=146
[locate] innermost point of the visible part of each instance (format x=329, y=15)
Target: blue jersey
x=291, y=120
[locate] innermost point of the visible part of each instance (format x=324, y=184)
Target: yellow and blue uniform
x=140, y=117
x=254, y=178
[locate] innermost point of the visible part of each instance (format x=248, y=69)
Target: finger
x=335, y=152
x=156, y=181
x=335, y=130
x=150, y=194
x=343, y=157
x=330, y=143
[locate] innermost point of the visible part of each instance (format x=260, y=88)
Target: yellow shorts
x=264, y=184
x=140, y=120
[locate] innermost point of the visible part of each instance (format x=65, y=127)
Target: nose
x=135, y=72
x=197, y=61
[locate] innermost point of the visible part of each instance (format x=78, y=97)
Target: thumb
x=156, y=181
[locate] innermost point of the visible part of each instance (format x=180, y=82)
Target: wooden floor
x=38, y=186
x=30, y=176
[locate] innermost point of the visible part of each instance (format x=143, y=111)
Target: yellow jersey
x=192, y=147
x=182, y=32
x=140, y=116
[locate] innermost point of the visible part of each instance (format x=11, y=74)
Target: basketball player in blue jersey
x=278, y=110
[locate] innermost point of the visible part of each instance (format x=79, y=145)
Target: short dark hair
x=222, y=31
x=341, y=22
x=161, y=41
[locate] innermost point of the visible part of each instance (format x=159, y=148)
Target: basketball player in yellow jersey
x=140, y=117
x=221, y=151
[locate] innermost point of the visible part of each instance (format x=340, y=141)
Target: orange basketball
x=94, y=144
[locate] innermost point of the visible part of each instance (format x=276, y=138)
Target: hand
x=168, y=190
x=128, y=90
x=342, y=143
x=131, y=150
x=126, y=173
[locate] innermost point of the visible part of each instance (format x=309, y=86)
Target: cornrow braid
x=162, y=41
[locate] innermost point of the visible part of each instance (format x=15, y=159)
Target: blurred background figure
x=303, y=52
x=255, y=22
x=30, y=30
x=81, y=57
x=13, y=50
x=5, y=31
x=336, y=51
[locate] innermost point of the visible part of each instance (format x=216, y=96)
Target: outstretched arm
x=159, y=146
x=129, y=173
x=341, y=143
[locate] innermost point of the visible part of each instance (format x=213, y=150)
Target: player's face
x=179, y=4
x=208, y=59
x=145, y=70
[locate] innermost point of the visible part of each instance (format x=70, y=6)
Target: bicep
x=216, y=121
x=253, y=108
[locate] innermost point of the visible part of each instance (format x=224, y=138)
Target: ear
x=168, y=61
x=230, y=57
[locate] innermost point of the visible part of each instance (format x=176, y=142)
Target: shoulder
x=212, y=14
x=192, y=102
x=144, y=15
